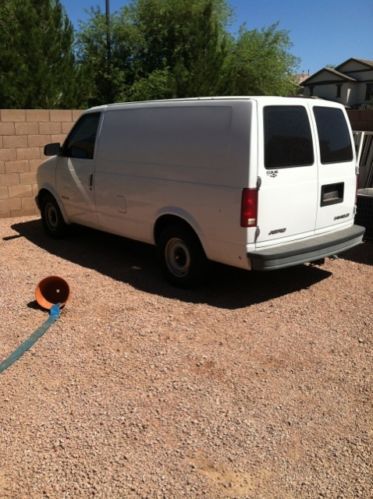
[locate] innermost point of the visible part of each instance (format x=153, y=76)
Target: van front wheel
x=53, y=222
x=182, y=257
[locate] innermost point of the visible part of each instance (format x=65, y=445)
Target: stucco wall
x=363, y=76
x=326, y=91
x=23, y=134
x=352, y=94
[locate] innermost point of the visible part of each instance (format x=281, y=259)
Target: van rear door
x=288, y=192
x=336, y=167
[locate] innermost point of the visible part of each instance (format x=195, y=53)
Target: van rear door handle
x=91, y=181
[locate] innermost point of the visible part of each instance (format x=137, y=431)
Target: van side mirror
x=53, y=149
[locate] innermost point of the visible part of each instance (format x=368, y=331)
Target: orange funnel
x=51, y=291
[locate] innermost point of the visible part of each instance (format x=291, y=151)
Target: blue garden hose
x=54, y=314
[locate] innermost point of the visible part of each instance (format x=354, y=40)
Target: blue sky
x=322, y=31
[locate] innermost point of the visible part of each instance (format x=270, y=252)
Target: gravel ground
x=255, y=386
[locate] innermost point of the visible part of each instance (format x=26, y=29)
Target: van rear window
x=287, y=135
x=334, y=138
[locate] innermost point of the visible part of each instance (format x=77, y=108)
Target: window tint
x=287, y=135
x=334, y=139
x=81, y=141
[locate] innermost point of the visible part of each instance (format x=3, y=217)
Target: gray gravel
x=255, y=386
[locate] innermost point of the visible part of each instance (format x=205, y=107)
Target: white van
x=258, y=183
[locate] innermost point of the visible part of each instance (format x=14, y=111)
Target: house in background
x=300, y=77
x=350, y=83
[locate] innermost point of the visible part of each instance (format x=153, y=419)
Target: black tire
x=53, y=222
x=182, y=258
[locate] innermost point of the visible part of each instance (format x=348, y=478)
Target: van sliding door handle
x=91, y=181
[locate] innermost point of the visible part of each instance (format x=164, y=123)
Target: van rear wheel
x=53, y=222
x=183, y=260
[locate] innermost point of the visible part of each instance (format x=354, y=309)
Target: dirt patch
x=254, y=386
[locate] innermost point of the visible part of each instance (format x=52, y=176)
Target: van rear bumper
x=306, y=251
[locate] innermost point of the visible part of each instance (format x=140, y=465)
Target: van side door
x=75, y=171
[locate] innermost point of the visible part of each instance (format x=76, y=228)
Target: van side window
x=81, y=141
x=287, y=136
x=334, y=139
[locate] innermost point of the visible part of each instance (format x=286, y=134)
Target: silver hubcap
x=51, y=216
x=177, y=257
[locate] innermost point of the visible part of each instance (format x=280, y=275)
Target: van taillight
x=249, y=207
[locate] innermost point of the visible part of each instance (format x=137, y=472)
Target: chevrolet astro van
x=258, y=183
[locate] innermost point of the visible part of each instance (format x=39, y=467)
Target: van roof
x=261, y=98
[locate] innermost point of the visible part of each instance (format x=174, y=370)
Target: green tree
x=259, y=63
x=181, y=48
x=186, y=38
x=105, y=80
x=159, y=49
x=37, y=64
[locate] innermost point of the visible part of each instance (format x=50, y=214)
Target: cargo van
x=258, y=183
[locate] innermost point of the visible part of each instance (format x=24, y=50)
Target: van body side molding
x=306, y=251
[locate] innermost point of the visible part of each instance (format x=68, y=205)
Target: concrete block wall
x=23, y=135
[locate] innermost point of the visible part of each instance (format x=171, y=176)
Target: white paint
x=192, y=158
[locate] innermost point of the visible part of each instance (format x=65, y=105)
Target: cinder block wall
x=23, y=135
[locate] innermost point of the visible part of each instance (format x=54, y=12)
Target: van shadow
x=360, y=254
x=136, y=264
